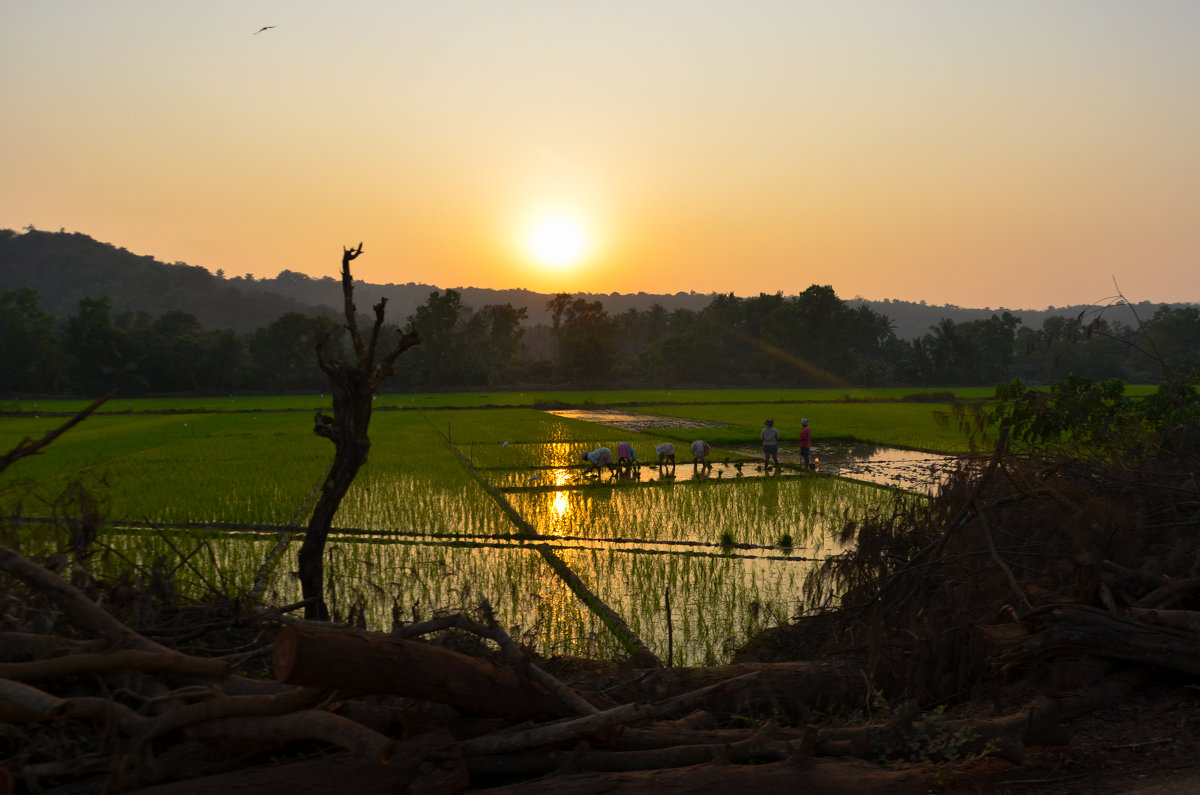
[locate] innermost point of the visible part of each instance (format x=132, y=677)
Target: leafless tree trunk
x=353, y=385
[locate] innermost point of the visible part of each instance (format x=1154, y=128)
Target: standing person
x=700, y=451
x=625, y=456
x=600, y=457
x=770, y=442
x=805, y=442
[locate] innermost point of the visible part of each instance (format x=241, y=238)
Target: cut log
x=120, y=660
x=822, y=777
x=1006, y=737
x=1104, y=635
x=572, y=730
x=20, y=702
x=756, y=747
x=297, y=726
x=793, y=690
x=26, y=646
x=423, y=764
x=1186, y=620
x=361, y=661
x=82, y=611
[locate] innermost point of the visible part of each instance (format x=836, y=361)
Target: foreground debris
x=387, y=711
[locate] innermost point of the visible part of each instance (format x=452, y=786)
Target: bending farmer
x=600, y=457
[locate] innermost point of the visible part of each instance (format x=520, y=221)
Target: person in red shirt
x=805, y=442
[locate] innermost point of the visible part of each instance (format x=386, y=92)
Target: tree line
x=813, y=339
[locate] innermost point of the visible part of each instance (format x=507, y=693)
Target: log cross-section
x=353, y=660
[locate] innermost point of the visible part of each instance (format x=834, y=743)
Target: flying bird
x=264, y=27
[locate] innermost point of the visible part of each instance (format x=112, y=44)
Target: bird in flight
x=264, y=27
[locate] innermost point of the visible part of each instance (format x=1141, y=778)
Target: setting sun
x=557, y=241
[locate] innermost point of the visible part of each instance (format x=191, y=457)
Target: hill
x=64, y=267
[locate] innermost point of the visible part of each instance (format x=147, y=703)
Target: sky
x=1020, y=154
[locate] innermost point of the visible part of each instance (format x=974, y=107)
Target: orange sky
x=1020, y=153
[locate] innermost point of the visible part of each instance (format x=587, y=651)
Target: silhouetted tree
x=353, y=385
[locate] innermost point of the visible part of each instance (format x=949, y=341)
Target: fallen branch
x=571, y=730
x=297, y=726
x=1186, y=620
x=352, y=660
x=119, y=660
x=85, y=613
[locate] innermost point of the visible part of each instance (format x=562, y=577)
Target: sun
x=557, y=241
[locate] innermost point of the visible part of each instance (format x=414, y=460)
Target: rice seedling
x=416, y=533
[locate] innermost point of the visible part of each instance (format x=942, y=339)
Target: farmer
x=600, y=457
x=770, y=442
x=700, y=451
x=805, y=442
x=625, y=456
x=665, y=453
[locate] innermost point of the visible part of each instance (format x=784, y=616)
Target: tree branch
x=28, y=447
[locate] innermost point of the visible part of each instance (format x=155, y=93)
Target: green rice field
x=207, y=491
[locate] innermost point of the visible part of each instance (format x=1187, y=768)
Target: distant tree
x=494, y=333
x=29, y=358
x=585, y=336
x=445, y=356
x=281, y=357
x=101, y=353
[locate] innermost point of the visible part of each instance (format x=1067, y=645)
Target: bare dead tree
x=353, y=385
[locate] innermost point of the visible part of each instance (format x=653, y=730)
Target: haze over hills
x=64, y=267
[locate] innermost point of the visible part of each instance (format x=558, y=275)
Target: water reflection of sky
x=911, y=470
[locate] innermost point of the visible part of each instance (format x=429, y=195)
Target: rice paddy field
x=209, y=493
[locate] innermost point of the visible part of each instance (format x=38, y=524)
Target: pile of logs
x=111, y=710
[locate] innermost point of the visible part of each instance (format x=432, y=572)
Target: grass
x=417, y=533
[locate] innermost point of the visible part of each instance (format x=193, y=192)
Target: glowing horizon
x=992, y=154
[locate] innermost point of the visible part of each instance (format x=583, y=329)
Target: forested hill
x=64, y=267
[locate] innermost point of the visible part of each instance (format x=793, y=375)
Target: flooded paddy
x=894, y=467
x=417, y=534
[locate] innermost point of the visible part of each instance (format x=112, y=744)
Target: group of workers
x=603, y=456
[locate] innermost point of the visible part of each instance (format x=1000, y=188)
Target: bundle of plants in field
x=1078, y=533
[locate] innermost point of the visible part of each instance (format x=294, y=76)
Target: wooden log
x=790, y=689
x=81, y=610
x=120, y=660
x=25, y=646
x=20, y=702
x=756, y=747
x=362, y=661
x=1170, y=592
x=428, y=763
x=1007, y=737
x=822, y=777
x=301, y=726
x=573, y=730
x=1103, y=635
x=1186, y=620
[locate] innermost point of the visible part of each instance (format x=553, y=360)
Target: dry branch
x=574, y=729
x=1107, y=636
x=353, y=660
x=119, y=660
x=27, y=447
x=297, y=726
x=21, y=702
x=1186, y=620
x=85, y=613
x=813, y=777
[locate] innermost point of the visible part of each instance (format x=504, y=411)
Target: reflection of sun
x=561, y=506
x=557, y=241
